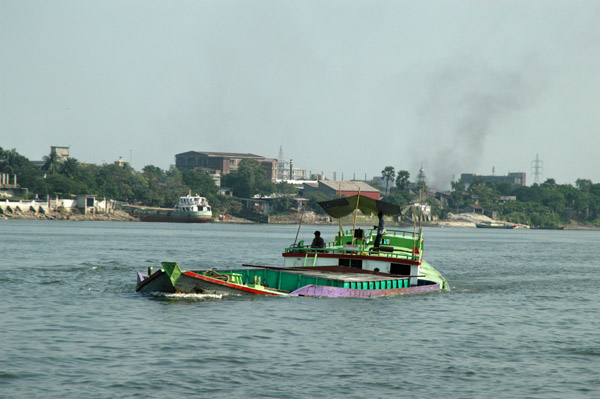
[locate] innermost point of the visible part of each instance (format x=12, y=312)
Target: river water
x=522, y=319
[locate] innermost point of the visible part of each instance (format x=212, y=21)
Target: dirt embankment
x=113, y=216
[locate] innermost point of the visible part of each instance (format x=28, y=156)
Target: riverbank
x=113, y=216
x=464, y=220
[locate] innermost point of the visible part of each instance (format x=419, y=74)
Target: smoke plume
x=463, y=108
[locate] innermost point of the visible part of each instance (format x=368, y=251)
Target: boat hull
x=336, y=292
x=333, y=282
x=191, y=282
x=196, y=283
x=156, y=282
x=170, y=215
x=174, y=217
x=494, y=226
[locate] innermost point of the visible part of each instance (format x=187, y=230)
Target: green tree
x=583, y=185
x=155, y=179
x=173, y=187
x=57, y=184
x=286, y=188
x=388, y=174
x=458, y=185
x=549, y=184
x=376, y=184
x=200, y=183
x=249, y=180
x=69, y=168
x=282, y=204
x=484, y=194
x=51, y=162
x=29, y=175
x=402, y=180
x=400, y=198
x=9, y=160
x=313, y=201
x=115, y=182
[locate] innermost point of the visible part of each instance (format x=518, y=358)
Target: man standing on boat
x=318, y=241
x=380, y=229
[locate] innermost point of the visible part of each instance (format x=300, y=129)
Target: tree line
x=546, y=205
x=541, y=205
x=152, y=186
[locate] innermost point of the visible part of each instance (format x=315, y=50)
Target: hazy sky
x=347, y=86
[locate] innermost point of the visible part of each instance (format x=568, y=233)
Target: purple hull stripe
x=337, y=292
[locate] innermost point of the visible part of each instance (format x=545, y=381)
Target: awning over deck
x=341, y=207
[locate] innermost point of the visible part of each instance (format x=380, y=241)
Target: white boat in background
x=189, y=209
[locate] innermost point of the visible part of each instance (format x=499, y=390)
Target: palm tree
x=69, y=168
x=388, y=173
x=402, y=180
x=51, y=162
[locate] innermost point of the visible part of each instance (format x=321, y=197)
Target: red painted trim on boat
x=349, y=256
x=230, y=285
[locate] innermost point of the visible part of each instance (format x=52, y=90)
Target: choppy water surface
x=522, y=319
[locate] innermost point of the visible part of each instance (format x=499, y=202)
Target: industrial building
x=223, y=162
x=517, y=178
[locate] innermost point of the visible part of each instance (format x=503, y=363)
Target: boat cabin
x=191, y=203
x=399, y=252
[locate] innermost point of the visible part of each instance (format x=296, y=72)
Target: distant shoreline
x=113, y=216
x=122, y=216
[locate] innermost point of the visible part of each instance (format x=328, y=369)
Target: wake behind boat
x=189, y=209
x=355, y=263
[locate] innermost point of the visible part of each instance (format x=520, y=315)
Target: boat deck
x=336, y=273
x=344, y=276
x=292, y=278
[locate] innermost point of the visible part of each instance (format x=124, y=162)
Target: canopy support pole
x=341, y=233
x=420, y=217
x=300, y=224
x=355, y=212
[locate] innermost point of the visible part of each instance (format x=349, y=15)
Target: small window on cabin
x=356, y=263
x=402, y=270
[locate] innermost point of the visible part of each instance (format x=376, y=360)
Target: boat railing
x=392, y=237
x=395, y=244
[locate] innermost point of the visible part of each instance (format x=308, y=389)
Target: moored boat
x=189, y=209
x=350, y=265
x=549, y=228
x=487, y=225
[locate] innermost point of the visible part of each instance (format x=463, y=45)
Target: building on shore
x=223, y=163
x=84, y=204
x=286, y=170
x=62, y=152
x=8, y=189
x=517, y=178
